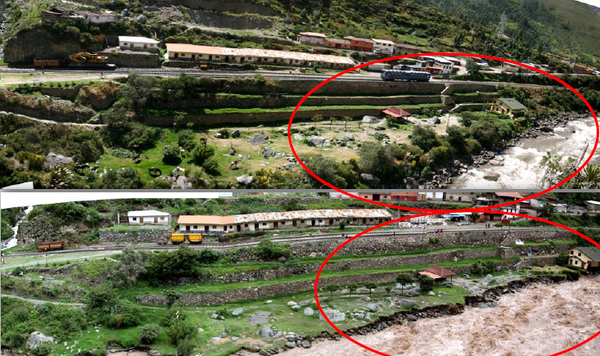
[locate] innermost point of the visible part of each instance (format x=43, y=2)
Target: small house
x=404, y=196
x=395, y=112
x=438, y=274
x=403, y=49
x=136, y=43
x=375, y=196
x=312, y=38
x=148, y=217
x=508, y=106
x=593, y=206
x=100, y=17
x=587, y=258
x=337, y=43
x=383, y=46
x=360, y=44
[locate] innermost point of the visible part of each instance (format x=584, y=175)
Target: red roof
x=396, y=112
x=509, y=195
x=436, y=272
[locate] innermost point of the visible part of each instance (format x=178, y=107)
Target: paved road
x=40, y=301
x=52, y=122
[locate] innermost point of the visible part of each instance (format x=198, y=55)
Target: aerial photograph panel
x=197, y=94
x=234, y=274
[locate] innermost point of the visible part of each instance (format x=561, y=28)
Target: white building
x=136, y=43
x=100, y=17
x=189, y=52
x=148, y=217
x=281, y=220
x=383, y=46
x=312, y=38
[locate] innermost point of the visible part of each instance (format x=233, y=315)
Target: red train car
x=50, y=246
x=46, y=63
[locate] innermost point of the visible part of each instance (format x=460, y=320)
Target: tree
x=180, y=329
x=485, y=132
x=317, y=118
x=425, y=284
x=346, y=120
x=352, y=288
x=202, y=153
x=545, y=211
x=148, y=333
x=331, y=288
x=132, y=264
x=187, y=139
x=459, y=39
x=370, y=286
x=457, y=139
x=331, y=121
x=172, y=297
x=425, y=138
x=137, y=91
x=186, y=346
x=404, y=279
x=171, y=156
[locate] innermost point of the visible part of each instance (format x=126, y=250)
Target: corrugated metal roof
x=512, y=103
x=352, y=38
x=139, y=213
x=592, y=252
x=312, y=34
x=376, y=40
x=137, y=39
x=509, y=195
x=313, y=214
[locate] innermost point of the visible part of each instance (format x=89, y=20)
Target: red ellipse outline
x=449, y=54
x=316, y=289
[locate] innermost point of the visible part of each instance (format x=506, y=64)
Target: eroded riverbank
x=541, y=319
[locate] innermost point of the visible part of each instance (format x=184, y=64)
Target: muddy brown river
x=539, y=320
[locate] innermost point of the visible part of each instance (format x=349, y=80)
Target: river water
x=521, y=162
x=537, y=321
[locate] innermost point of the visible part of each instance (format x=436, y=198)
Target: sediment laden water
x=541, y=319
x=521, y=167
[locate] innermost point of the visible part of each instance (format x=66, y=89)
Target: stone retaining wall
x=254, y=118
x=150, y=235
x=372, y=245
x=281, y=289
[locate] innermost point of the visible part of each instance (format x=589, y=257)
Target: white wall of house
x=148, y=220
x=311, y=40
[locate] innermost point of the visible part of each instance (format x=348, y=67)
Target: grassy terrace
x=219, y=287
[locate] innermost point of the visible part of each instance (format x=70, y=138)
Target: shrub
x=171, y=156
x=424, y=138
x=202, y=153
x=124, y=314
x=434, y=240
x=425, y=284
x=172, y=297
x=186, y=346
x=42, y=350
x=209, y=256
x=187, y=139
x=482, y=268
x=180, y=330
x=224, y=133
x=148, y=333
x=268, y=250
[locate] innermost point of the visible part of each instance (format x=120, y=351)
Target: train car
x=195, y=238
x=410, y=76
x=51, y=246
x=46, y=63
x=177, y=238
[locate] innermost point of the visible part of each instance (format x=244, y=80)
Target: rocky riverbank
x=544, y=126
x=411, y=316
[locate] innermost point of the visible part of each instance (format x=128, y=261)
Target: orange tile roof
x=205, y=219
x=190, y=48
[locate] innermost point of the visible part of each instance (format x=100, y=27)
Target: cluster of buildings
x=373, y=45
x=262, y=221
x=95, y=17
x=190, y=52
x=433, y=65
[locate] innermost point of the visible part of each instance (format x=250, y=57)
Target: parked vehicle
x=51, y=246
x=178, y=238
x=46, y=63
x=90, y=60
x=410, y=76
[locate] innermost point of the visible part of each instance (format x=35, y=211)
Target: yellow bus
x=177, y=238
x=195, y=238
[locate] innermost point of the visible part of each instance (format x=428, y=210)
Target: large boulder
x=266, y=331
x=333, y=315
x=259, y=139
x=308, y=311
x=37, y=339
x=237, y=312
x=244, y=179
x=98, y=97
x=260, y=317
x=54, y=159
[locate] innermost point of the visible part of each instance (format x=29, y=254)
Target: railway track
x=231, y=245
